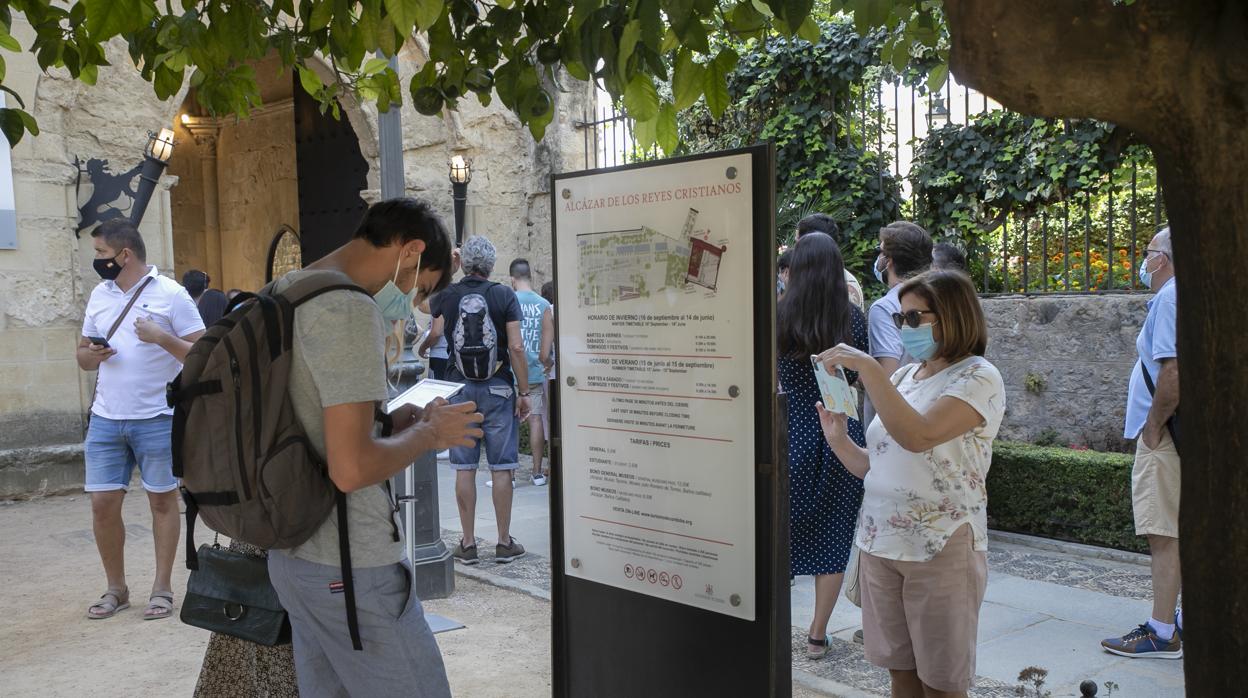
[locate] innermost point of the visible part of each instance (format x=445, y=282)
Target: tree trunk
x=1176, y=73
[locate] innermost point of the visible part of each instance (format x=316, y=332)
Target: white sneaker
x=539, y=480
x=444, y=455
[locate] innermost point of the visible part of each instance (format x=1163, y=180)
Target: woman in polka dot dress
x=815, y=314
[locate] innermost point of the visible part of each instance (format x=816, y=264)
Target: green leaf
x=869, y=14
x=666, y=132
x=90, y=74
x=403, y=14
x=322, y=13
x=427, y=13
x=628, y=43
x=716, y=81
x=309, y=79
x=937, y=77
x=641, y=99
x=108, y=18
x=745, y=18
x=29, y=122
x=8, y=42
x=810, y=30
x=12, y=125
x=687, y=81
x=374, y=66
x=796, y=12
x=646, y=132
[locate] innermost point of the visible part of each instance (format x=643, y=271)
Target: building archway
x=241, y=180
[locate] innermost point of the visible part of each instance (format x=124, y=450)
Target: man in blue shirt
x=537, y=328
x=1152, y=400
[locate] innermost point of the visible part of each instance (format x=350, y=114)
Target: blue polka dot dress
x=823, y=497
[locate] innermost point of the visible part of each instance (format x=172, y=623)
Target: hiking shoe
x=468, y=555
x=509, y=552
x=539, y=479
x=1143, y=642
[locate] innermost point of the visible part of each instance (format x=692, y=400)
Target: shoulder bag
x=230, y=593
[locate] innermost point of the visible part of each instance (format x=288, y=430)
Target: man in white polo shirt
x=138, y=328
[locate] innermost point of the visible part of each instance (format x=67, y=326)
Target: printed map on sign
x=625, y=264
x=621, y=265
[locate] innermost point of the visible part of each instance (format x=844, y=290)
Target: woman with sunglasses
x=816, y=313
x=923, y=530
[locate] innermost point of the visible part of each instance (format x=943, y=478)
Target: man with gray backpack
x=275, y=439
x=482, y=325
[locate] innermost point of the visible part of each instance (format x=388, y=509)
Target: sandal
x=824, y=645
x=111, y=601
x=160, y=605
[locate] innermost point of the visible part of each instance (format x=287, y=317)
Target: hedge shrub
x=1080, y=496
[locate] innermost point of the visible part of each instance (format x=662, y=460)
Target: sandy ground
x=50, y=573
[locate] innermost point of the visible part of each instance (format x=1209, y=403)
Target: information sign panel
x=656, y=370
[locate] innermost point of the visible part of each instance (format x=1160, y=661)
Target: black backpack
x=475, y=337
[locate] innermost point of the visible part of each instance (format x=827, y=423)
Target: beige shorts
x=537, y=400
x=1155, y=481
x=924, y=616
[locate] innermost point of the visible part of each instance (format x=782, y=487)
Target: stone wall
x=1065, y=361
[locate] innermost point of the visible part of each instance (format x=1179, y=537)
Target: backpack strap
x=348, y=583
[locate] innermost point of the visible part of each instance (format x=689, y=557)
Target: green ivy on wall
x=805, y=98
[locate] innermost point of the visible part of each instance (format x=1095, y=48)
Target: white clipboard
x=423, y=393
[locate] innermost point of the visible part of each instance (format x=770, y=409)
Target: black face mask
x=108, y=269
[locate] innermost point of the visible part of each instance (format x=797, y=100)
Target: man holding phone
x=138, y=327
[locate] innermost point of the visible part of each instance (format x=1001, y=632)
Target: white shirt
x=132, y=381
x=913, y=502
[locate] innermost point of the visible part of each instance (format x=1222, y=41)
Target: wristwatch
x=523, y=394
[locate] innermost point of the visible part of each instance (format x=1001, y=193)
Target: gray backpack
x=475, y=338
x=246, y=465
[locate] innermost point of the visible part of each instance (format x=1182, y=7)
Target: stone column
x=205, y=130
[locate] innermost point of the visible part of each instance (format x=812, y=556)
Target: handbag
x=853, y=591
x=231, y=594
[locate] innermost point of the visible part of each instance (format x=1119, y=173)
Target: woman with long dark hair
x=815, y=314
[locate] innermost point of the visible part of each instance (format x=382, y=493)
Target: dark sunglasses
x=910, y=318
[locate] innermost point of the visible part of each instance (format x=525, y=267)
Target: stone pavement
x=1048, y=605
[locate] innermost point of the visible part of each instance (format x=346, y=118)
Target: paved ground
x=1043, y=608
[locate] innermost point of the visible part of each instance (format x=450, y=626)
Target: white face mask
x=880, y=265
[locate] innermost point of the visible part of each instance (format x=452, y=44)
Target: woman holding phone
x=815, y=313
x=923, y=532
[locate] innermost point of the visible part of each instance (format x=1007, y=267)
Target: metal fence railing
x=1090, y=243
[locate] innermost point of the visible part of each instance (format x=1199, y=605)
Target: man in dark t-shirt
x=483, y=353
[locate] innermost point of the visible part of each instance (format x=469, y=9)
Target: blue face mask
x=394, y=304
x=1146, y=276
x=918, y=342
x=879, y=273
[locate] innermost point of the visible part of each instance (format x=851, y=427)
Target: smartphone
x=837, y=394
x=100, y=341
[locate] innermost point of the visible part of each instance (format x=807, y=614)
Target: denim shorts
x=115, y=446
x=496, y=401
